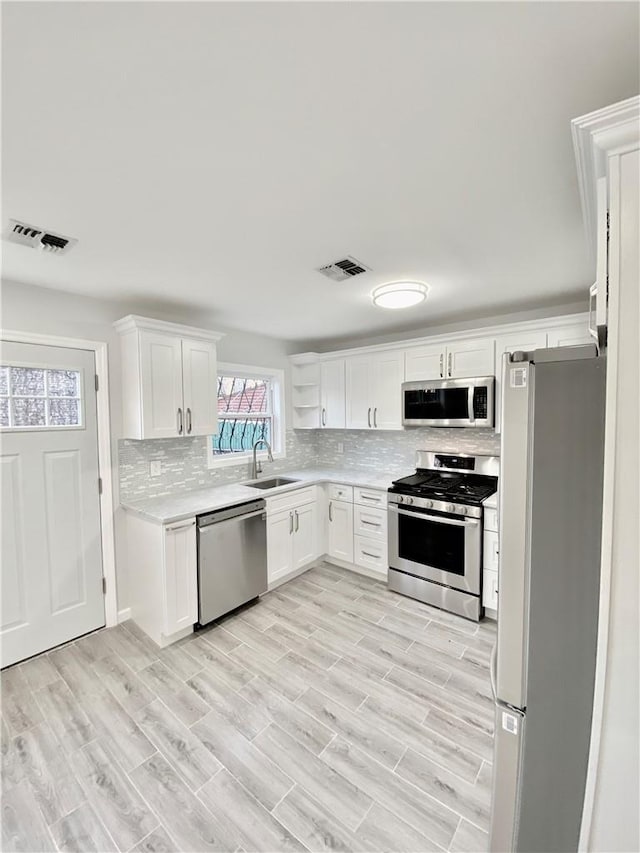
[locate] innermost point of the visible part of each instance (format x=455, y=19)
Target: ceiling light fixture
x=399, y=294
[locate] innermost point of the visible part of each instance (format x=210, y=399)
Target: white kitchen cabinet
x=490, y=589
x=458, y=360
x=169, y=379
x=291, y=538
x=340, y=537
x=333, y=394
x=163, y=580
x=424, y=363
x=369, y=521
x=572, y=335
x=373, y=390
x=490, y=559
x=470, y=358
x=371, y=554
x=514, y=342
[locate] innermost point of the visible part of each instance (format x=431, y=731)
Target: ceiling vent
x=37, y=238
x=344, y=269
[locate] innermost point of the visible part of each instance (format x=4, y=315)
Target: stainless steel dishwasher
x=232, y=558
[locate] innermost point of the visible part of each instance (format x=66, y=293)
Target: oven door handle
x=468, y=522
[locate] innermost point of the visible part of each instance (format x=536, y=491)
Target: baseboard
x=124, y=614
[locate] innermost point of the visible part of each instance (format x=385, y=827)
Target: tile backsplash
x=184, y=460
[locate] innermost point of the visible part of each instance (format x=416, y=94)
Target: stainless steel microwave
x=449, y=402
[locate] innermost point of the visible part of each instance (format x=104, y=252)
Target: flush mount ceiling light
x=399, y=294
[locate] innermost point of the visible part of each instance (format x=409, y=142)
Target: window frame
x=46, y=397
x=276, y=379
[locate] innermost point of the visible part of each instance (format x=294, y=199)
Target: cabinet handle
x=369, y=554
x=297, y=520
x=290, y=523
x=189, y=421
x=179, y=421
x=330, y=513
x=441, y=365
x=182, y=526
x=324, y=417
x=372, y=523
x=369, y=417
x=449, y=359
x=369, y=498
x=375, y=417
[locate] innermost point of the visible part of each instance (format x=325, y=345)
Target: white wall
x=25, y=308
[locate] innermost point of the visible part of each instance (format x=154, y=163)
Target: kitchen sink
x=272, y=483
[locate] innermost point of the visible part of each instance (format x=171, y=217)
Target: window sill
x=234, y=459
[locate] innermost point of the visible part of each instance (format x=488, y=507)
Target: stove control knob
x=400, y=500
x=451, y=508
x=464, y=510
x=409, y=500
x=429, y=504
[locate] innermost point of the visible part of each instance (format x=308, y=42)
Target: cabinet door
x=387, y=375
x=279, y=545
x=341, y=531
x=426, y=362
x=522, y=341
x=180, y=578
x=359, y=404
x=490, y=589
x=572, y=335
x=200, y=383
x=470, y=358
x=332, y=394
x=161, y=367
x=304, y=535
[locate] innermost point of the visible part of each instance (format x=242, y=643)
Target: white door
x=162, y=406
x=466, y=359
x=304, y=535
x=359, y=405
x=424, y=363
x=332, y=394
x=341, y=531
x=51, y=580
x=386, y=385
x=279, y=545
x=200, y=384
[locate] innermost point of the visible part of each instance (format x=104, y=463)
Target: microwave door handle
x=472, y=414
x=468, y=522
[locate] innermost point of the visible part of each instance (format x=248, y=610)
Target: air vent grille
x=343, y=269
x=37, y=238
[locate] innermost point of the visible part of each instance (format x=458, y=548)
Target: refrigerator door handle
x=492, y=671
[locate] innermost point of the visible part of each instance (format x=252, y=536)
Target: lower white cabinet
x=490, y=589
x=163, y=577
x=340, y=544
x=291, y=539
x=371, y=554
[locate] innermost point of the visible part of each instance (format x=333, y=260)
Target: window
x=32, y=397
x=250, y=407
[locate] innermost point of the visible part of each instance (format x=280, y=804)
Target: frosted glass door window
x=32, y=397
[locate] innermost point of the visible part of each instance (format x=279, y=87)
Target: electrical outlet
x=341, y=447
x=155, y=468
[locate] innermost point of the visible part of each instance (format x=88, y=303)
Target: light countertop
x=183, y=505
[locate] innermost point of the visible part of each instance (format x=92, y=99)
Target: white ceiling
x=215, y=154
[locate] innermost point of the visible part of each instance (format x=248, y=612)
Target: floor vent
x=37, y=238
x=343, y=269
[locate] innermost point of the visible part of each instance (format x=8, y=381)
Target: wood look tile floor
x=331, y=715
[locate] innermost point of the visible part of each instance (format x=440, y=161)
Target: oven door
x=436, y=547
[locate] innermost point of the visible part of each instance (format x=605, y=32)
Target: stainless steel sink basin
x=272, y=483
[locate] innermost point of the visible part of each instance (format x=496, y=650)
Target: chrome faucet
x=257, y=467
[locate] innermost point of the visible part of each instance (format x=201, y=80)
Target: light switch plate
x=155, y=468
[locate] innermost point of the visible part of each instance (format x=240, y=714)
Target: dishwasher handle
x=248, y=510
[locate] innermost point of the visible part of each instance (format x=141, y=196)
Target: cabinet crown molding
x=134, y=321
x=595, y=135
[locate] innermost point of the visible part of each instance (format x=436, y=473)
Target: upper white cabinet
x=169, y=379
x=458, y=360
x=373, y=390
x=332, y=394
x=572, y=335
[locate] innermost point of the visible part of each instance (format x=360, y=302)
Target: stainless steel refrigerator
x=548, y=590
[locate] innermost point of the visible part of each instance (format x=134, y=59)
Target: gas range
x=435, y=530
x=446, y=483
